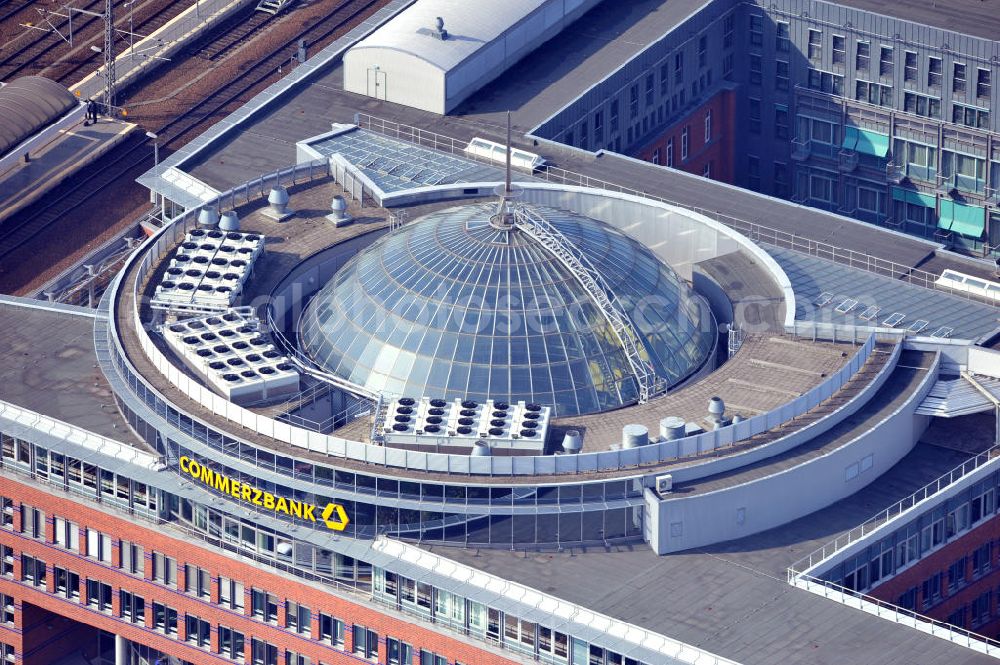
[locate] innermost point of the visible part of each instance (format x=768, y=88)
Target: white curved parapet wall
x=716, y=238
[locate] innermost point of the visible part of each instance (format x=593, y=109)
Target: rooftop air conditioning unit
x=664, y=484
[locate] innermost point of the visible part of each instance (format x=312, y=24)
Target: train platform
x=68, y=150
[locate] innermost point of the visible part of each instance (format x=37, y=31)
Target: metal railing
x=838, y=544
x=900, y=615
x=600, y=293
x=758, y=233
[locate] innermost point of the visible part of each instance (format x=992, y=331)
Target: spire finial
x=507, y=180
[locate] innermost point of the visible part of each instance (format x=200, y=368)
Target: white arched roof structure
x=408, y=62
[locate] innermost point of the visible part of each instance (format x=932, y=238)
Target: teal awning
x=872, y=143
x=960, y=218
x=910, y=196
x=850, y=138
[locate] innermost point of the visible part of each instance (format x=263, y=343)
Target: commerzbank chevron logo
x=333, y=516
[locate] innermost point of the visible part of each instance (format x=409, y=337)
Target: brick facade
x=38, y=605
x=953, y=598
x=716, y=152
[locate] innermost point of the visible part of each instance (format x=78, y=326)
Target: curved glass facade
x=448, y=306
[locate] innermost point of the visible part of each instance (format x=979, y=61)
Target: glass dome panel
x=447, y=307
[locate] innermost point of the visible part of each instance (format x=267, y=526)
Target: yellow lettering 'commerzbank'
x=333, y=515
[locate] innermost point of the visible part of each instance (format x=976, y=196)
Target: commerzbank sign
x=332, y=515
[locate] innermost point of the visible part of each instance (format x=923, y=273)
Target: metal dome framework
x=558, y=309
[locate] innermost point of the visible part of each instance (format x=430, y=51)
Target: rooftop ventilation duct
x=338, y=211
x=572, y=442
x=208, y=217
x=439, y=30
x=230, y=221
x=278, y=202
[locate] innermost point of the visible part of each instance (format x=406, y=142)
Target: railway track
x=237, y=30
x=30, y=57
x=130, y=159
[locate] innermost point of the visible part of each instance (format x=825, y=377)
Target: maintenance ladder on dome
x=565, y=252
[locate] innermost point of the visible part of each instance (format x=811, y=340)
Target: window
x=99, y=595
x=821, y=188
x=32, y=570
x=685, y=135
x=755, y=111
x=756, y=30
x=670, y=152
x=957, y=618
x=815, y=45
x=164, y=619
x=839, y=50
x=67, y=582
x=6, y=507
x=958, y=78
x=264, y=605
x=970, y=116
x=967, y=173
x=871, y=200
x=32, y=521
x=934, y=72
x=928, y=107
x=133, y=558
x=780, y=121
x=931, y=590
x=863, y=56
x=885, y=61
x=702, y=51
x=331, y=630
x=231, y=594
x=399, y=653
x=67, y=534
x=298, y=618
x=981, y=609
x=679, y=68
x=6, y=608
x=826, y=82
x=782, y=43
x=873, y=93
x=982, y=559
x=728, y=30
x=231, y=643
x=365, y=642
x=197, y=581
x=753, y=172
x=756, y=69
x=727, y=65
x=98, y=546
x=292, y=658
x=133, y=607
x=708, y=126
x=164, y=569
x=707, y=171
x=197, y=631
x=781, y=76
x=909, y=66
x=983, y=83
x=908, y=599
x=656, y=156
x=614, y=115
x=6, y=561
x=956, y=574
x=263, y=653
x=633, y=102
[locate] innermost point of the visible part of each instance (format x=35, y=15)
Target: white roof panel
x=470, y=26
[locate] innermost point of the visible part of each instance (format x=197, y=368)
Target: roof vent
x=481, y=449
x=572, y=441
x=208, y=216
x=634, y=436
x=278, y=202
x=230, y=221
x=338, y=211
x=439, y=30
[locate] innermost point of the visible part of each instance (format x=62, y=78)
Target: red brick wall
x=718, y=150
x=285, y=588
x=940, y=561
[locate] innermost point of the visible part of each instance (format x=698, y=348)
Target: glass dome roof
x=450, y=306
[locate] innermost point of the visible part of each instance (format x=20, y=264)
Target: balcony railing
x=895, y=173
x=801, y=149
x=848, y=160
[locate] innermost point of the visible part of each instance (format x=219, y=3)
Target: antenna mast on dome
x=504, y=217
x=507, y=189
